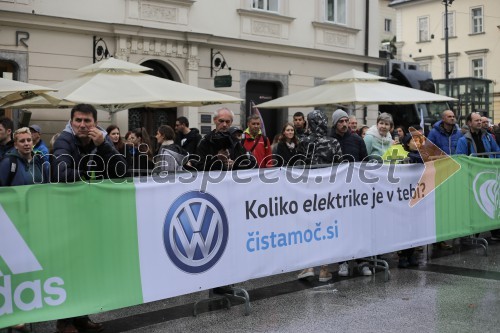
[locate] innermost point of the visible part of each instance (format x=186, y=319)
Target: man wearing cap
x=236, y=133
x=39, y=147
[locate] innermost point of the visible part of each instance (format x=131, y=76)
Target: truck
x=409, y=75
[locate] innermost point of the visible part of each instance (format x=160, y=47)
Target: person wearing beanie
x=353, y=150
x=353, y=147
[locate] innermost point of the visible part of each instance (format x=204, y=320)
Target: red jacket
x=261, y=150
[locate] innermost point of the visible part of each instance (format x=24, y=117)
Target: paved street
x=451, y=291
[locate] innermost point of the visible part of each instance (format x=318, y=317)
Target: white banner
x=256, y=223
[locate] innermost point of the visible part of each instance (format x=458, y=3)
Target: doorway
x=152, y=118
x=259, y=92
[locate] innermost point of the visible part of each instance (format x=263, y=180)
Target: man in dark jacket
x=353, y=147
x=6, y=129
x=218, y=150
x=185, y=137
x=445, y=133
x=83, y=151
x=477, y=140
x=353, y=150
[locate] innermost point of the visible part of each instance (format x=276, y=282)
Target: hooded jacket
x=447, y=142
x=74, y=162
x=375, y=143
x=467, y=146
x=25, y=173
x=317, y=146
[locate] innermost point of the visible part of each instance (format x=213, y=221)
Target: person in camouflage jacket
x=319, y=149
x=317, y=146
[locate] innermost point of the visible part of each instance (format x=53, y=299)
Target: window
x=478, y=68
x=387, y=25
x=423, y=29
x=452, y=64
x=336, y=11
x=477, y=20
x=451, y=24
x=269, y=5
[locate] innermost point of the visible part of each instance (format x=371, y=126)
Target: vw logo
x=195, y=232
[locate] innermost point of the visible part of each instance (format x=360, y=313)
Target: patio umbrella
x=354, y=87
x=11, y=91
x=113, y=85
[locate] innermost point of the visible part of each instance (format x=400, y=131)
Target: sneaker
x=364, y=269
x=344, y=269
x=444, y=246
x=325, y=275
x=305, y=273
x=495, y=237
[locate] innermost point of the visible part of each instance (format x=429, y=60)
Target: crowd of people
x=85, y=151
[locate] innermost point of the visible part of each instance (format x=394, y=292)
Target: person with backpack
x=20, y=165
x=256, y=143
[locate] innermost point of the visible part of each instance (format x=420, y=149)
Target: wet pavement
x=451, y=291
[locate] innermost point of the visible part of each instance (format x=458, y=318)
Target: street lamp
x=446, y=3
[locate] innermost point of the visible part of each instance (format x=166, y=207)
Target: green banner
x=469, y=201
x=85, y=239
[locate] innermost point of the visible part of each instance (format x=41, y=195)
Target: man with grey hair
x=353, y=123
x=218, y=150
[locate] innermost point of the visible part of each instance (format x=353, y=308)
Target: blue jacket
x=445, y=141
x=25, y=173
x=74, y=162
x=467, y=146
x=42, y=149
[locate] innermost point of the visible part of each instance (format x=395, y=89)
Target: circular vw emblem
x=195, y=232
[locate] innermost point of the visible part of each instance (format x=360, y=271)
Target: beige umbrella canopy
x=354, y=87
x=113, y=85
x=11, y=91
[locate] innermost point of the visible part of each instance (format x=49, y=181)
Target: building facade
x=473, y=39
x=271, y=48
